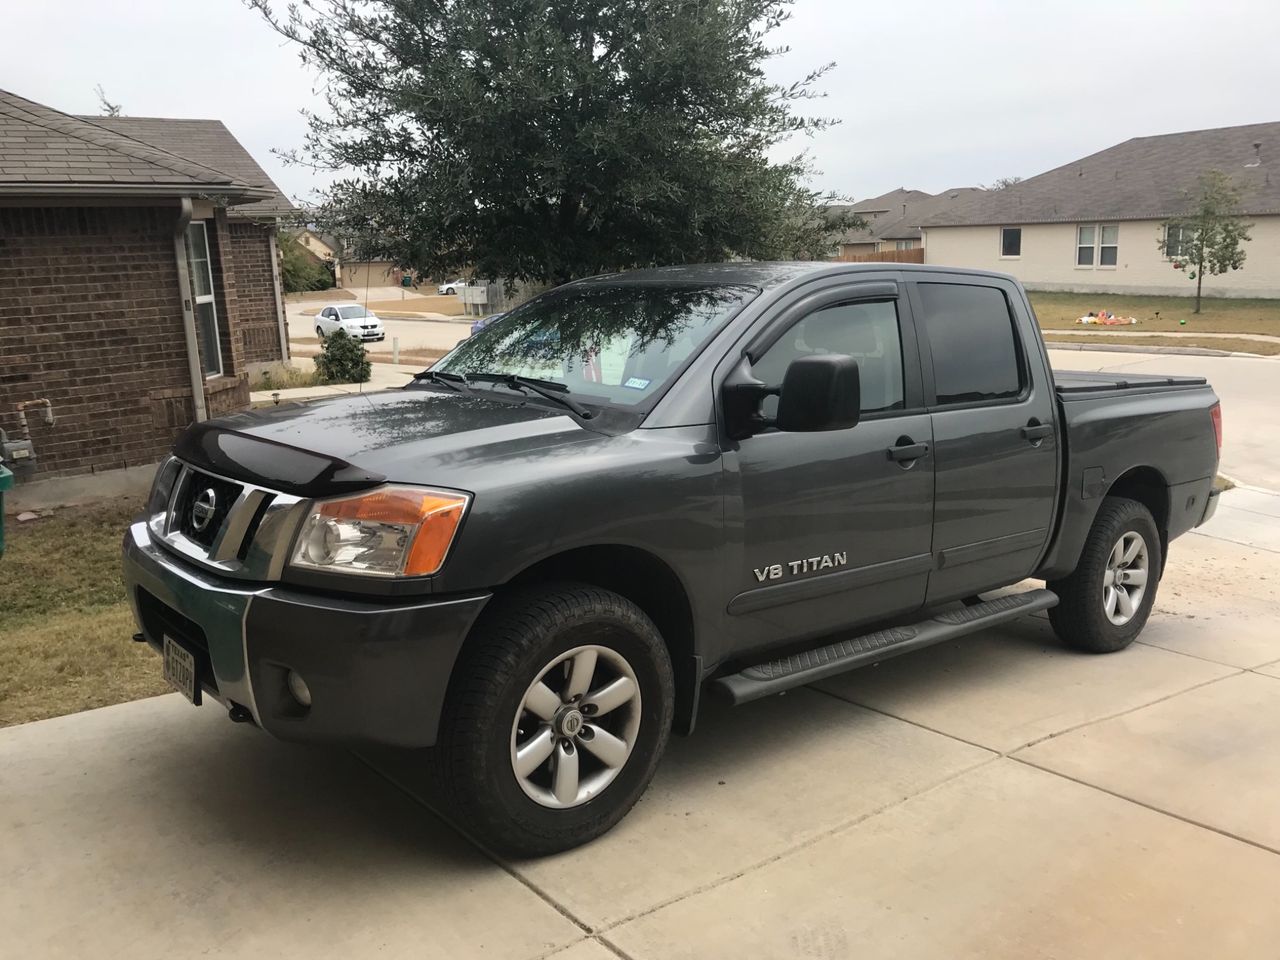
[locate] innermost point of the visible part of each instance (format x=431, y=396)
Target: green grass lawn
x=1058, y=311
x=65, y=625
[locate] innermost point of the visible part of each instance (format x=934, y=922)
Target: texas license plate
x=180, y=670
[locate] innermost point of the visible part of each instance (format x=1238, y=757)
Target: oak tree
x=543, y=140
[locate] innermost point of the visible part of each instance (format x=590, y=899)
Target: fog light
x=298, y=687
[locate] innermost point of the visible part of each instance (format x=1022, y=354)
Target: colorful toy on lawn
x=1105, y=318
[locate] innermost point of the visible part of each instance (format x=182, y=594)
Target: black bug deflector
x=269, y=463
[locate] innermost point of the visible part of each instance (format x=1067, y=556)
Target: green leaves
x=550, y=140
x=343, y=359
x=1209, y=236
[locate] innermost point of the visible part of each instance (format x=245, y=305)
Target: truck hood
x=330, y=447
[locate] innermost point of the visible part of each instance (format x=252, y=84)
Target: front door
x=995, y=448
x=836, y=525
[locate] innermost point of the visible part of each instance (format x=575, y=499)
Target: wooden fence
x=915, y=255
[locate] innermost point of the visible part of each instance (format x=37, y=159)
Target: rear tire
x=1104, y=603
x=513, y=699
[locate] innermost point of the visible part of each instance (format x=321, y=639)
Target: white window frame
x=1185, y=236
x=208, y=298
x=904, y=244
x=1010, y=256
x=1095, y=247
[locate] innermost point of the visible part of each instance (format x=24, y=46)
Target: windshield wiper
x=549, y=389
x=454, y=380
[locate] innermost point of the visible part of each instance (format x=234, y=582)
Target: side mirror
x=821, y=392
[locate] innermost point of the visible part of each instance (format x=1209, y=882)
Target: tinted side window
x=868, y=332
x=974, y=345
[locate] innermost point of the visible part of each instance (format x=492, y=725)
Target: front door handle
x=906, y=452
x=1035, y=431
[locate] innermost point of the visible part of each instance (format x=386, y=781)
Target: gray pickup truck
x=643, y=488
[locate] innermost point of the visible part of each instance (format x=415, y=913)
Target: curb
x=1132, y=348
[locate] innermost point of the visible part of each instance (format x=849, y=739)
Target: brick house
x=139, y=282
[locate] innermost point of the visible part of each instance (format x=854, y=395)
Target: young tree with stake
x=1208, y=239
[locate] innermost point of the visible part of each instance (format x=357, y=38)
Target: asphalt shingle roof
x=206, y=142
x=1146, y=178
x=896, y=215
x=44, y=149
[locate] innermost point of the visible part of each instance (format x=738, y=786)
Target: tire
x=450, y=292
x=319, y=332
x=521, y=642
x=1092, y=614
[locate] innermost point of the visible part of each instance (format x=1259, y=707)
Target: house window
x=1010, y=241
x=202, y=294
x=1085, y=238
x=1097, y=243
x=906, y=244
x=1177, y=241
x=1108, y=244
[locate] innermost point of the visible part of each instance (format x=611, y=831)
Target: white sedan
x=450, y=287
x=352, y=319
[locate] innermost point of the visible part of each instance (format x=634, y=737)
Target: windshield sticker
x=636, y=383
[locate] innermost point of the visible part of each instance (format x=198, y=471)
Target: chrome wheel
x=576, y=726
x=1125, y=581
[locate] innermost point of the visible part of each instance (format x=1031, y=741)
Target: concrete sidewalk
x=998, y=797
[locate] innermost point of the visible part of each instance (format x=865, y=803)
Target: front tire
x=319, y=332
x=1104, y=603
x=559, y=709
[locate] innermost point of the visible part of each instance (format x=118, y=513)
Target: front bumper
x=378, y=672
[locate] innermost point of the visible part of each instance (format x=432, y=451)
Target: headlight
x=388, y=532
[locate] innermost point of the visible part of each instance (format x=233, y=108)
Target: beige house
x=323, y=247
x=1096, y=224
x=360, y=274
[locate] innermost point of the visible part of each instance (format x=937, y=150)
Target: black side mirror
x=821, y=392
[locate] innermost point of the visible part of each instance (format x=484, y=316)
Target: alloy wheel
x=1125, y=581
x=575, y=727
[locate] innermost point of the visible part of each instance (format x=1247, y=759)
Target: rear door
x=994, y=435
x=834, y=530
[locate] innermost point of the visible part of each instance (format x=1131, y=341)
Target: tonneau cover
x=1071, y=384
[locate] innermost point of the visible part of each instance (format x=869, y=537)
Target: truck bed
x=1082, y=384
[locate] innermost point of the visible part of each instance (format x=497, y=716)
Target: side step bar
x=774, y=676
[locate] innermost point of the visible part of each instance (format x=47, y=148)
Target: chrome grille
x=202, y=509
x=236, y=528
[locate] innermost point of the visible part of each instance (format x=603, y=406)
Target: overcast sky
x=931, y=93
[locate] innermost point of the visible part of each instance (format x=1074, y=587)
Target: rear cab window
x=972, y=336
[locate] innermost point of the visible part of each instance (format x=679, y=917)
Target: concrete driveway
x=998, y=797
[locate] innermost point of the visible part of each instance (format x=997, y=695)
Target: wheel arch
x=1147, y=486
x=651, y=584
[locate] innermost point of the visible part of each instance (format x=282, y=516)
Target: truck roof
x=767, y=274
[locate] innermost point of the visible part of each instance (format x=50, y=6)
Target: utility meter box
x=6, y=483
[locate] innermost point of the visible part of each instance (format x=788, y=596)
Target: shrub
x=343, y=359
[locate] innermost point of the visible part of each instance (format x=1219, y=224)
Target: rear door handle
x=908, y=451
x=1036, y=432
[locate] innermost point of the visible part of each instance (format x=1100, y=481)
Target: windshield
x=617, y=343
x=352, y=313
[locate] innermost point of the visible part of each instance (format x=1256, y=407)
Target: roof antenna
x=1257, y=155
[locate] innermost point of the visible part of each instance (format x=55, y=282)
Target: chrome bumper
x=219, y=610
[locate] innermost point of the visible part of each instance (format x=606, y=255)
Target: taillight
x=1215, y=414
